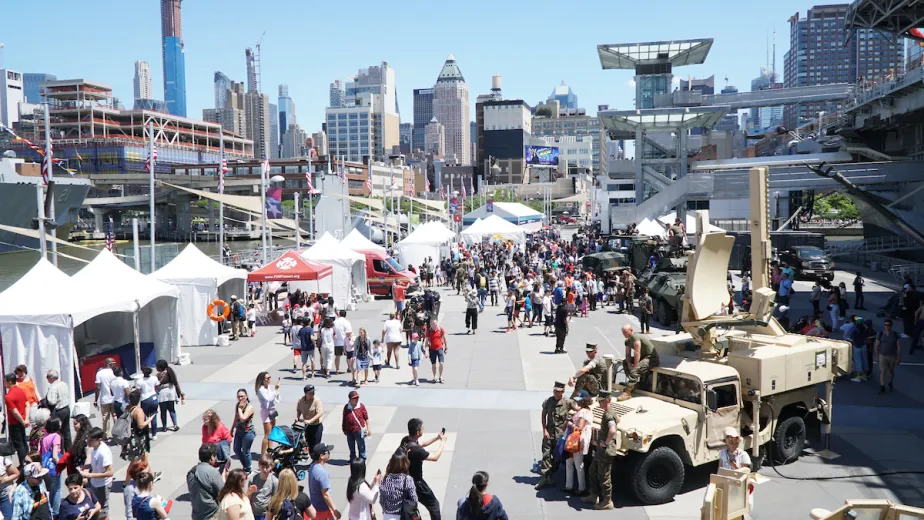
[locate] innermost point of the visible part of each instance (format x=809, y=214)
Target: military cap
x=559, y=386
x=590, y=347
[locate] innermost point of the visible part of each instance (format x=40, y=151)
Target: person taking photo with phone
x=416, y=453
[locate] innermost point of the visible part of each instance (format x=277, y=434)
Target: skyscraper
x=32, y=86
x=174, y=60
x=423, y=113
x=286, y=110
x=817, y=56
x=336, y=94
x=257, y=119
x=142, y=82
x=379, y=81
x=565, y=96
x=274, y=130
x=251, y=70
x=222, y=86
x=450, y=107
x=766, y=117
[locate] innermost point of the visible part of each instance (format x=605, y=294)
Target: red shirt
x=354, y=419
x=399, y=292
x=435, y=338
x=15, y=398
x=220, y=434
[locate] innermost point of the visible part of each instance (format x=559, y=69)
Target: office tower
x=766, y=117
x=351, y=129
x=336, y=94
x=232, y=116
x=450, y=107
x=250, y=58
x=222, y=86
x=11, y=95
x=32, y=86
x=817, y=56
x=405, y=133
x=319, y=139
x=142, y=81
x=564, y=125
x=274, y=130
x=378, y=80
x=505, y=128
x=174, y=58
x=293, y=141
x=473, y=137
x=565, y=96
x=435, y=138
x=423, y=113
x=257, y=118
x=286, y=110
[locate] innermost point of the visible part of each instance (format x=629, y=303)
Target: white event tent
x=349, y=269
x=495, y=227
x=689, y=223
x=429, y=240
x=130, y=305
x=200, y=280
x=357, y=242
x=528, y=219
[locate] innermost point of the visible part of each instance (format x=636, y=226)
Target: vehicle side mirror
x=712, y=400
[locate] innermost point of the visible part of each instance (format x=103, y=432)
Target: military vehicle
x=742, y=371
x=877, y=508
x=602, y=263
x=666, y=284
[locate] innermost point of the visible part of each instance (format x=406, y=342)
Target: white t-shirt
x=296, y=342
x=146, y=385
x=104, y=379
x=392, y=330
x=740, y=457
x=252, y=315
x=327, y=337
x=8, y=488
x=100, y=458
x=342, y=327
x=119, y=388
x=547, y=305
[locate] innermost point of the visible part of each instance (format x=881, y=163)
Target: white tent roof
x=41, y=296
x=506, y=210
x=651, y=228
x=108, y=285
x=434, y=233
x=491, y=225
x=328, y=250
x=192, y=264
x=690, y=223
x=357, y=242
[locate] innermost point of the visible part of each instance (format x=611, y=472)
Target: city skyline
x=575, y=62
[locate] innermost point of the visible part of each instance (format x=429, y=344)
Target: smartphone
x=379, y=472
x=444, y=431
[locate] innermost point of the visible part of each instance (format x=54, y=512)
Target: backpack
x=48, y=461
x=122, y=430
x=287, y=511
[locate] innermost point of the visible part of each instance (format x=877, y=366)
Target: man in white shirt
x=343, y=335
x=104, y=398
x=100, y=471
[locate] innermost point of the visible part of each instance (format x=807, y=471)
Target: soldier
x=641, y=357
x=676, y=233
x=556, y=411
x=600, y=490
x=590, y=376
x=629, y=281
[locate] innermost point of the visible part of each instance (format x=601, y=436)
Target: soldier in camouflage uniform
x=641, y=359
x=601, y=468
x=556, y=411
x=590, y=376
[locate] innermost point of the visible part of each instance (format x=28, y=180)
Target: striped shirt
x=57, y=395
x=392, y=492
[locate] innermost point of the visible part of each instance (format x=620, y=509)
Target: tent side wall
x=42, y=343
x=194, y=326
x=339, y=281
x=414, y=254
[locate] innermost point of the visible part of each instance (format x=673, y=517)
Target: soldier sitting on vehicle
x=590, y=376
x=641, y=357
x=676, y=233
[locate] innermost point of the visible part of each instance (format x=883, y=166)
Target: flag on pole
x=110, y=236
x=311, y=189
x=47, y=163
x=152, y=159
x=442, y=193
x=266, y=167
x=427, y=180
x=463, y=189
x=369, y=182
x=341, y=173
x=222, y=171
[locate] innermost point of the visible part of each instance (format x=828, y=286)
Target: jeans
x=494, y=297
x=242, y=443
x=356, y=441
x=313, y=434
x=858, y=300
x=859, y=360
x=167, y=407
x=17, y=434
x=65, y=415
x=6, y=507
x=53, y=485
x=149, y=406
x=482, y=294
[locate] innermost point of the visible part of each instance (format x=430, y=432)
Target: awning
x=435, y=204
x=372, y=203
x=244, y=202
x=290, y=266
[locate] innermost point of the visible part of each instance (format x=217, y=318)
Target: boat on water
x=18, y=201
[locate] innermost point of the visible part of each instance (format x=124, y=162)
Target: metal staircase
x=677, y=192
x=875, y=245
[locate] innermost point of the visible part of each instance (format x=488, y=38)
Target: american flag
x=266, y=165
x=442, y=193
x=110, y=236
x=369, y=182
x=427, y=180
x=342, y=172
x=149, y=164
x=222, y=171
x=47, y=163
x=463, y=190
x=310, y=184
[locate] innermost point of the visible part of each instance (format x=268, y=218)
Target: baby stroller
x=289, y=448
x=892, y=308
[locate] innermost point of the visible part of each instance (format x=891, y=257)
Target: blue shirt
x=305, y=335
x=23, y=500
x=785, y=287
x=558, y=295
x=318, y=481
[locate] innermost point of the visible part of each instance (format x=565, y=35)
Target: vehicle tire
x=788, y=440
x=656, y=477
x=830, y=277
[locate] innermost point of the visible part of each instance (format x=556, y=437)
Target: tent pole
x=137, y=375
x=136, y=247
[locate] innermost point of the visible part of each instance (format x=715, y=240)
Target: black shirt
x=561, y=317
x=417, y=455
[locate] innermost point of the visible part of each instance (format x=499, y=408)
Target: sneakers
x=441, y=380
x=157, y=475
x=608, y=505
x=882, y=390
x=589, y=499
x=857, y=379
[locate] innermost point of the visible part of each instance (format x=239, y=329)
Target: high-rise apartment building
x=565, y=96
x=817, y=56
x=423, y=113
x=337, y=94
x=405, y=135
x=550, y=120
x=293, y=141
x=11, y=95
x=257, y=121
x=142, y=81
x=274, y=131
x=435, y=138
x=351, y=129
x=222, y=86
x=174, y=59
x=250, y=59
x=232, y=116
x=914, y=54
x=32, y=86
x=379, y=81
x=450, y=107
x=286, y=110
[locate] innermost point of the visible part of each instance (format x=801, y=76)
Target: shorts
x=350, y=354
x=415, y=362
x=338, y=350
x=400, y=305
x=438, y=355
x=265, y=415
x=250, y=324
x=306, y=355
x=548, y=321
x=102, y=496
x=377, y=367
x=325, y=515
x=362, y=363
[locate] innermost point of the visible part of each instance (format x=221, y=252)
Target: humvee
x=742, y=371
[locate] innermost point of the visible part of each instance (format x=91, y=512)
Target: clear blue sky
x=534, y=45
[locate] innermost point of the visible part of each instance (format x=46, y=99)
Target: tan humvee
x=741, y=371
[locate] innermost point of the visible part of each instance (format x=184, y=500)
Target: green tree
x=836, y=205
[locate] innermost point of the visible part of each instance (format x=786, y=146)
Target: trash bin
x=874, y=266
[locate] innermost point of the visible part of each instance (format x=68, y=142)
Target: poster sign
x=274, y=203
x=541, y=155
x=489, y=206
x=457, y=217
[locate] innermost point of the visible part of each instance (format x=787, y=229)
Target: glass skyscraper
x=423, y=113
x=32, y=86
x=222, y=86
x=174, y=58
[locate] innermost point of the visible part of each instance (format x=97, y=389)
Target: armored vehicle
x=742, y=371
x=666, y=284
x=601, y=263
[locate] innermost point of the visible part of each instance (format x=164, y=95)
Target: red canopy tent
x=290, y=267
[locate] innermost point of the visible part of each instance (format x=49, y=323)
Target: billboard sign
x=542, y=155
x=601, y=108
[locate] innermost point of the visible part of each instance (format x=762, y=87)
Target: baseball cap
x=731, y=432
x=583, y=394
x=233, y=296
x=783, y=308
x=415, y=336
x=34, y=470
x=321, y=449
x=353, y=395
x=309, y=388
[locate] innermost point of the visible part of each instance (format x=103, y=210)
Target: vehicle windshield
x=394, y=265
x=811, y=254
x=677, y=387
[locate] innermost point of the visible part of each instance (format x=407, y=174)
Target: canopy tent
x=495, y=227
x=651, y=228
x=290, y=267
x=427, y=241
x=524, y=216
x=200, y=280
x=36, y=328
x=372, y=203
x=348, y=269
x=357, y=242
x=136, y=306
x=438, y=205
x=689, y=223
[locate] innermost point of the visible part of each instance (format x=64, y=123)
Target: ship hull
x=18, y=207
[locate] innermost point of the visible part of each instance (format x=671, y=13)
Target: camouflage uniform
x=648, y=359
x=592, y=381
x=556, y=414
x=601, y=468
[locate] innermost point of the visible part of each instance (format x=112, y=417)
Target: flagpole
x=151, y=172
x=40, y=201
x=135, y=247
x=221, y=191
x=51, y=190
x=263, y=174
x=298, y=246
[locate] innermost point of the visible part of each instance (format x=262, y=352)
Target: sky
x=533, y=45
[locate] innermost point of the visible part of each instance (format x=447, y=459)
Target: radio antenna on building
x=773, y=69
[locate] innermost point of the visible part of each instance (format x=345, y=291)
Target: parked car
x=809, y=262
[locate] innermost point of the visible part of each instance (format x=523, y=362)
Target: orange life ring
x=219, y=317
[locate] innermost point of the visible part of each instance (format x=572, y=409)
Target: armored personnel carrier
x=666, y=284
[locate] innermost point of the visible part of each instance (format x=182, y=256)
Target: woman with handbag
x=355, y=426
x=215, y=432
x=577, y=442
x=168, y=393
x=360, y=494
x=397, y=494
x=269, y=399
